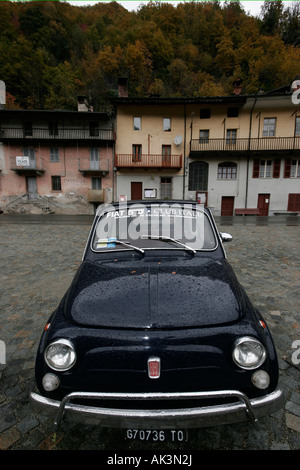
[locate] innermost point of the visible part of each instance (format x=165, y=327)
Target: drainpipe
x=249, y=143
x=184, y=153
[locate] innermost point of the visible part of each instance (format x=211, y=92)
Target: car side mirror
x=225, y=237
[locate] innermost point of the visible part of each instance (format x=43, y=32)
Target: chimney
x=123, y=87
x=82, y=104
x=237, y=86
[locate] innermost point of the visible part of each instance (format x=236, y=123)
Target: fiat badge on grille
x=154, y=367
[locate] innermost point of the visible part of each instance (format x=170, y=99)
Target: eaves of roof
x=181, y=101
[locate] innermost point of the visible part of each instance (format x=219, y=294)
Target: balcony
x=96, y=195
x=276, y=145
x=172, y=162
x=96, y=167
x=60, y=134
x=26, y=166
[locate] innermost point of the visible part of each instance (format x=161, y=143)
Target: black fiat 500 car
x=155, y=332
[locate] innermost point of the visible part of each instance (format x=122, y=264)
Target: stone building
x=55, y=161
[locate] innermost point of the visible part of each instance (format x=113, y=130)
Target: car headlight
x=60, y=355
x=248, y=353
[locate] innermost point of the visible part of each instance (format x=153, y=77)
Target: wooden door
x=136, y=191
x=294, y=203
x=263, y=203
x=227, y=205
x=31, y=187
x=166, y=155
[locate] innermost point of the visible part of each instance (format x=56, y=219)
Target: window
x=94, y=130
x=56, y=183
x=30, y=153
x=94, y=158
x=198, y=176
x=233, y=112
x=205, y=113
x=137, y=123
x=269, y=127
x=204, y=136
x=231, y=136
x=166, y=124
x=54, y=155
x=27, y=126
x=265, y=168
x=53, y=127
x=297, y=128
x=166, y=188
x=136, y=153
x=268, y=168
x=96, y=182
x=295, y=169
x=227, y=170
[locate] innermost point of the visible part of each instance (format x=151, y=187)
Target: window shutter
x=276, y=168
x=256, y=168
x=287, y=168
x=294, y=202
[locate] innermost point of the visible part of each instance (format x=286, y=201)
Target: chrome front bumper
x=241, y=410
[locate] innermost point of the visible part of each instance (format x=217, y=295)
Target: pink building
x=55, y=161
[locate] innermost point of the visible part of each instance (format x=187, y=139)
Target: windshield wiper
x=169, y=239
x=130, y=246
x=115, y=240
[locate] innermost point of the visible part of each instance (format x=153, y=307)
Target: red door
x=263, y=204
x=136, y=191
x=294, y=203
x=227, y=205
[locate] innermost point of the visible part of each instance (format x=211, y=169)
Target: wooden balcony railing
x=148, y=161
x=10, y=133
x=242, y=145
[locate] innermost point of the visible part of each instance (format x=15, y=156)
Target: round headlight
x=248, y=353
x=60, y=355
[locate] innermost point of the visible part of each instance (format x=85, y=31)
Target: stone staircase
x=22, y=204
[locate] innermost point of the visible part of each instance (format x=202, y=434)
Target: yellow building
x=236, y=154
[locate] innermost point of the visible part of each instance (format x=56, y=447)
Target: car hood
x=157, y=296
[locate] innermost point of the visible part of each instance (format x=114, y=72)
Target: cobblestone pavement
x=39, y=257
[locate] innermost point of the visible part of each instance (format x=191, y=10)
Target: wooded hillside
x=51, y=51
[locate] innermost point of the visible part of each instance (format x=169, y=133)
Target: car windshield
x=157, y=226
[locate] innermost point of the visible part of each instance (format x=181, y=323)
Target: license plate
x=157, y=435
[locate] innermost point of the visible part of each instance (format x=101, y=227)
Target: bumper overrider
x=243, y=409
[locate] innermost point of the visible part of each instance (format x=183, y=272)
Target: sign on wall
x=22, y=161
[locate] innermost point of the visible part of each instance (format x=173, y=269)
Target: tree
x=291, y=25
x=271, y=13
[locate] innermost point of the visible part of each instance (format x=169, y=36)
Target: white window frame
x=54, y=154
x=265, y=168
x=167, y=124
x=137, y=123
x=295, y=169
x=269, y=129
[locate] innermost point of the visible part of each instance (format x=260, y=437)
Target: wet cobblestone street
x=38, y=262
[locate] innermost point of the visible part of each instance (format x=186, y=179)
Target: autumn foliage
x=51, y=51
